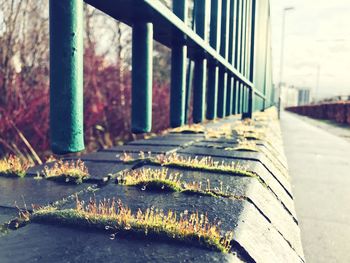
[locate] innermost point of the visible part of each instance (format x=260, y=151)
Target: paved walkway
x=319, y=164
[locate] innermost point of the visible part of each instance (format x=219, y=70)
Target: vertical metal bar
x=244, y=55
x=189, y=82
x=200, y=68
x=66, y=76
x=243, y=99
x=266, y=60
x=248, y=39
x=250, y=103
x=225, y=16
x=252, y=58
x=236, y=53
x=239, y=101
x=241, y=53
x=199, y=81
x=213, y=69
x=228, y=109
x=178, y=71
x=190, y=69
x=213, y=82
x=230, y=79
x=142, y=39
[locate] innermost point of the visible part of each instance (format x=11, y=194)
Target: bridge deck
x=260, y=210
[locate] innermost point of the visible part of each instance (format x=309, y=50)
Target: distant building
x=289, y=96
x=293, y=96
x=304, y=97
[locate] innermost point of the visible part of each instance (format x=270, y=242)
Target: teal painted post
x=252, y=58
x=66, y=76
x=142, y=45
x=189, y=77
x=178, y=71
x=222, y=92
x=213, y=82
x=200, y=68
x=244, y=110
x=239, y=101
x=237, y=53
x=244, y=37
x=242, y=54
x=245, y=56
x=213, y=69
x=230, y=79
x=189, y=82
x=243, y=101
x=229, y=96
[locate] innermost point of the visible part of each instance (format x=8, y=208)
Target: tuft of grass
x=223, y=131
x=118, y=219
x=194, y=128
x=155, y=179
x=68, y=171
x=161, y=180
x=13, y=166
x=199, y=164
x=206, y=163
x=244, y=145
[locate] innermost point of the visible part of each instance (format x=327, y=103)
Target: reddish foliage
x=336, y=111
x=107, y=107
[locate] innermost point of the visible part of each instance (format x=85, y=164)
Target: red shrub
x=339, y=111
x=107, y=108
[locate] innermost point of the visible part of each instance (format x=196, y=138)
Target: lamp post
x=285, y=10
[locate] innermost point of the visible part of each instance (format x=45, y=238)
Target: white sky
x=317, y=32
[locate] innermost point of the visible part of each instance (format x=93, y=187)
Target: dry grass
x=157, y=179
x=67, y=171
x=205, y=163
x=118, y=219
x=161, y=180
x=201, y=163
x=193, y=128
x=13, y=166
x=244, y=145
x=223, y=131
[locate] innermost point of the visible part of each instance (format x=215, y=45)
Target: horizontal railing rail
x=221, y=44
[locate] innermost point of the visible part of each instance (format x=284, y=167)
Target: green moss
x=131, y=227
x=67, y=178
x=213, y=169
x=159, y=184
x=11, y=174
x=67, y=172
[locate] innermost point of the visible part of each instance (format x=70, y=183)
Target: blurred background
x=311, y=57
x=314, y=41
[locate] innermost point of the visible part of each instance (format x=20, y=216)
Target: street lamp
x=285, y=10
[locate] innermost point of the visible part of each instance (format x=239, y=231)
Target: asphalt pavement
x=319, y=166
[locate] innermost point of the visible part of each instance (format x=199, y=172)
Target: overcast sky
x=317, y=33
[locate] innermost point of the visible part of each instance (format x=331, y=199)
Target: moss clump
x=160, y=180
x=194, y=128
x=193, y=163
x=203, y=163
x=13, y=166
x=68, y=172
x=152, y=179
x=114, y=216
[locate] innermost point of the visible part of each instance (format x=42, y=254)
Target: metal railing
x=229, y=46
